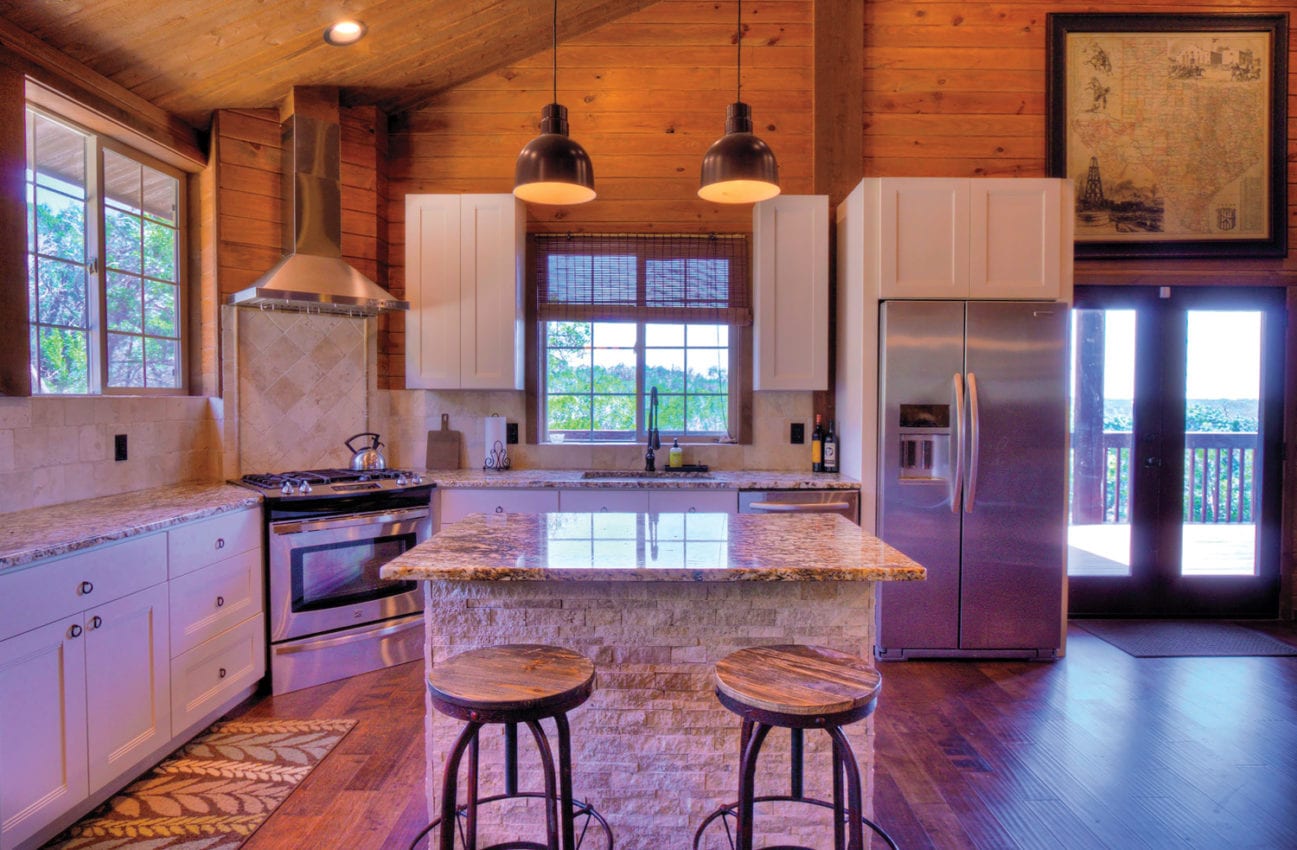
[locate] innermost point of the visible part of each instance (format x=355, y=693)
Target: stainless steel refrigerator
x=972, y=469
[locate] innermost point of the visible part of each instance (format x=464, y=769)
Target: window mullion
x=641, y=426
x=96, y=276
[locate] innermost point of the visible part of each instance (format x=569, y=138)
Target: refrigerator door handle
x=957, y=479
x=974, y=441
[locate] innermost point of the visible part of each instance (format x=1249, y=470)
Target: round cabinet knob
x=222, y=673
x=74, y=631
x=220, y=543
x=220, y=602
x=87, y=588
x=96, y=622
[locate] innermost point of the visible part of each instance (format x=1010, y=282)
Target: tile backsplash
x=60, y=449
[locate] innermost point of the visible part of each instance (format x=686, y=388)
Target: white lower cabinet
x=128, y=692
x=694, y=501
x=105, y=665
x=42, y=728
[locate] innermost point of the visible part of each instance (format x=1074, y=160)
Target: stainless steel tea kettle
x=366, y=457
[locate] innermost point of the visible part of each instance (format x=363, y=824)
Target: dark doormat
x=1184, y=638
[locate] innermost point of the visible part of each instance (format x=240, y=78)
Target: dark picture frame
x=1173, y=129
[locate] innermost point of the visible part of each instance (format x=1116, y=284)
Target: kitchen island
x=654, y=600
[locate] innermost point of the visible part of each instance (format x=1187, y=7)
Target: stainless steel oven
x=329, y=614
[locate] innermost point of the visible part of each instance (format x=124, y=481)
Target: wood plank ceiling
x=191, y=57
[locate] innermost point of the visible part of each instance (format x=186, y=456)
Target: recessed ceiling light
x=344, y=33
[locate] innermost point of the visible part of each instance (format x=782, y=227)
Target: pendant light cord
x=738, y=74
x=555, y=100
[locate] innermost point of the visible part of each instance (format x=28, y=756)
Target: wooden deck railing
x=1219, y=480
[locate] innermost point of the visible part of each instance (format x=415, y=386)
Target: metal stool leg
x=839, y=808
x=551, y=791
x=855, y=804
x=748, y=785
x=567, y=815
x=450, y=784
x=470, y=825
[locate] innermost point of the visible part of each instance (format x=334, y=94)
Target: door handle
x=957, y=480
x=974, y=441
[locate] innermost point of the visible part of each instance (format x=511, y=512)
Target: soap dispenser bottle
x=676, y=457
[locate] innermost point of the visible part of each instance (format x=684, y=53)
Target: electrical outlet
x=511, y=433
x=119, y=447
x=797, y=433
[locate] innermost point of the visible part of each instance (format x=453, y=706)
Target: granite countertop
x=698, y=547
x=720, y=479
x=30, y=535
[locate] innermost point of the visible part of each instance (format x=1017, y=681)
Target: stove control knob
x=304, y=488
x=401, y=480
x=416, y=478
x=286, y=488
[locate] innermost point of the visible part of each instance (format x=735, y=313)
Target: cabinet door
x=923, y=239
x=42, y=727
x=492, y=233
x=1015, y=239
x=694, y=501
x=457, y=504
x=128, y=693
x=432, y=274
x=602, y=500
x=791, y=293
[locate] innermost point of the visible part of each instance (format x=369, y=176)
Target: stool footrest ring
x=730, y=810
x=580, y=809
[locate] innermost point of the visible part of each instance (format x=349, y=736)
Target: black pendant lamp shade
x=553, y=168
x=739, y=168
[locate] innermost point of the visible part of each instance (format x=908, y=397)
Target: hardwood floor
x=1097, y=750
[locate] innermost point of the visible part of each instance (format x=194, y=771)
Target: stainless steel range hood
x=312, y=276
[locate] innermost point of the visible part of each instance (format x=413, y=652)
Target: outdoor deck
x=1215, y=549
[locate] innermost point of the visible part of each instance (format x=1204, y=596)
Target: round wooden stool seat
x=797, y=686
x=498, y=684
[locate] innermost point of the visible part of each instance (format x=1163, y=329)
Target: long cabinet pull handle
x=974, y=441
x=957, y=478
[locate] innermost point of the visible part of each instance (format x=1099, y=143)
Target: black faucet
x=654, y=441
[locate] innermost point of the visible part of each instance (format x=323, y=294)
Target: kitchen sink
x=633, y=474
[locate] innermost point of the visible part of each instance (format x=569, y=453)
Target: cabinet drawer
x=210, y=600
x=207, y=676
x=694, y=501
x=457, y=504
x=49, y=590
x=600, y=500
x=197, y=544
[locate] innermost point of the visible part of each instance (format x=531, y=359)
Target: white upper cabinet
x=790, y=277
x=463, y=278
x=982, y=238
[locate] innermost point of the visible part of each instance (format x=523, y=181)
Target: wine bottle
x=831, y=449
x=817, y=446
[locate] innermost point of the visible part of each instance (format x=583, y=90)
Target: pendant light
x=739, y=168
x=552, y=168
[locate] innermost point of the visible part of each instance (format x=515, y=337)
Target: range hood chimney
x=312, y=277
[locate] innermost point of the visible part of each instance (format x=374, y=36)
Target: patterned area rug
x=211, y=793
x=1184, y=638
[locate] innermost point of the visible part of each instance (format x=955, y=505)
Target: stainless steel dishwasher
x=845, y=502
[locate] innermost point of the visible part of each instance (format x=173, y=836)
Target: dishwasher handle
x=800, y=507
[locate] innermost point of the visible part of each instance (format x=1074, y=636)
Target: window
x=104, y=240
x=621, y=315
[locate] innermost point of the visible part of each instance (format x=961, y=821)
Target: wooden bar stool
x=797, y=688
x=509, y=685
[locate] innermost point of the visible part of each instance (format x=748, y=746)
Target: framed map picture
x=1173, y=129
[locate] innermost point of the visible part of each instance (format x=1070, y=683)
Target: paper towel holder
x=497, y=453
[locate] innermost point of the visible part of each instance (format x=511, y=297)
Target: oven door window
x=346, y=572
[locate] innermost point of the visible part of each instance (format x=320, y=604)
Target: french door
x=1176, y=424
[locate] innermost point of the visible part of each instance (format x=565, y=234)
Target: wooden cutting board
x=443, y=446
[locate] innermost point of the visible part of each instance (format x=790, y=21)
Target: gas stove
x=322, y=483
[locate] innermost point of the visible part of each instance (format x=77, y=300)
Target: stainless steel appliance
x=327, y=534
x=845, y=502
x=972, y=465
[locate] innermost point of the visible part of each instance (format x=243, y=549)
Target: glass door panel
x=1222, y=413
x=1102, y=418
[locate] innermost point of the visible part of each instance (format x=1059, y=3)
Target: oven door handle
x=383, y=629
x=800, y=507
x=348, y=521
